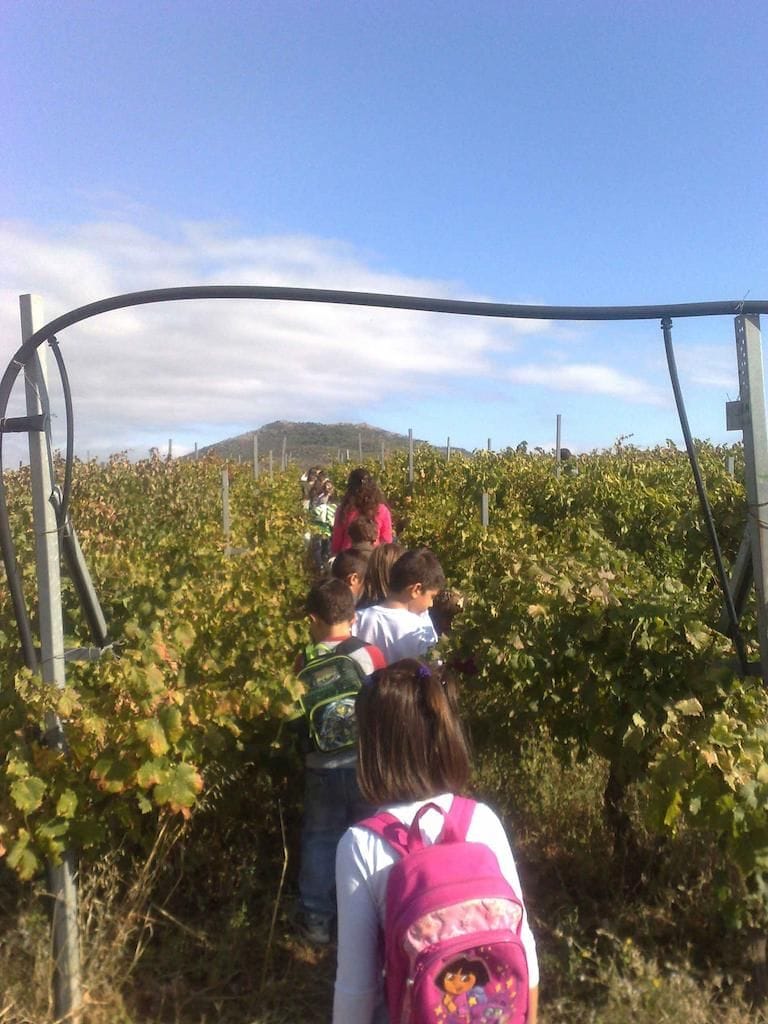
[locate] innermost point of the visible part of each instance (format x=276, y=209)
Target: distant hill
x=308, y=444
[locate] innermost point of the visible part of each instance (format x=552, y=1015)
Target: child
x=411, y=751
x=322, y=512
x=446, y=606
x=351, y=567
x=331, y=798
x=400, y=626
x=361, y=498
x=363, y=533
x=376, y=585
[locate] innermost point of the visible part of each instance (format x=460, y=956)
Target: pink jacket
x=340, y=538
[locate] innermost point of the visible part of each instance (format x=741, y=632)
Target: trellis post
x=62, y=877
x=751, y=419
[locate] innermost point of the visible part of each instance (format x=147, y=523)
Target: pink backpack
x=452, y=945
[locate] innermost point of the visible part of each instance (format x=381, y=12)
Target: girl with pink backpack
x=432, y=928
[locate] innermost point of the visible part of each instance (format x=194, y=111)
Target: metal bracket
x=24, y=424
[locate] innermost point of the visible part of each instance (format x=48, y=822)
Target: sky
x=529, y=151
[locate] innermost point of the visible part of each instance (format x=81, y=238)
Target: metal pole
x=170, y=448
x=282, y=456
x=484, y=506
x=196, y=451
x=65, y=943
x=225, y=502
x=730, y=465
x=448, y=450
x=490, y=446
x=557, y=444
x=255, y=455
x=383, y=459
x=752, y=395
x=410, y=458
x=360, y=444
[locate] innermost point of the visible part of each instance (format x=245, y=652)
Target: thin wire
x=736, y=636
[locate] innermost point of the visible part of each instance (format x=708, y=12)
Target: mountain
x=308, y=444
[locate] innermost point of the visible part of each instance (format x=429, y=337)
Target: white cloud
x=201, y=370
x=588, y=378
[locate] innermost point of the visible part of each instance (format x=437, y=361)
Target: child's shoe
x=313, y=928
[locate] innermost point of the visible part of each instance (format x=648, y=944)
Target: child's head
x=445, y=607
x=350, y=566
x=412, y=744
x=416, y=578
x=363, y=531
x=331, y=609
x=380, y=564
x=362, y=493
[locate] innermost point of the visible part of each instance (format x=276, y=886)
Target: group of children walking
x=385, y=824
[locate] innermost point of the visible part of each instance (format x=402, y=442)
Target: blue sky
x=536, y=152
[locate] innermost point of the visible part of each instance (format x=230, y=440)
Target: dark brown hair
x=411, y=741
x=376, y=586
x=349, y=561
x=331, y=601
x=417, y=566
x=363, y=529
x=362, y=493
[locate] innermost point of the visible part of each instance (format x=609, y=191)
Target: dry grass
x=196, y=932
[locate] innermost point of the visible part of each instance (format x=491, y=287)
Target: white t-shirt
x=363, y=862
x=397, y=632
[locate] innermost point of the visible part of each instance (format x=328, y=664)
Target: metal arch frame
x=67, y=994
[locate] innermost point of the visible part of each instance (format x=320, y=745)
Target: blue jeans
x=332, y=802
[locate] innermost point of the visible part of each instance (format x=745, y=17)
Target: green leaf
x=28, y=793
x=172, y=723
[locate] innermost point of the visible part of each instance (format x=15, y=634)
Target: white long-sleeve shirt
x=363, y=863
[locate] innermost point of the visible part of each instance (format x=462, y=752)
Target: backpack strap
x=390, y=829
x=408, y=838
x=458, y=820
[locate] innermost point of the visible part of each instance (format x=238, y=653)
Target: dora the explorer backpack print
x=452, y=947
x=332, y=680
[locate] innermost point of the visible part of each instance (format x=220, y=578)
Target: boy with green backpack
x=333, y=667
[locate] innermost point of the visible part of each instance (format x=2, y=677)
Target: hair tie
x=422, y=673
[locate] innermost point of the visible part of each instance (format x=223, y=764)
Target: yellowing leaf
x=152, y=772
x=66, y=805
x=181, y=788
x=28, y=793
x=21, y=859
x=151, y=732
x=691, y=706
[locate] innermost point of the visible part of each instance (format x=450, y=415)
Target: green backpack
x=332, y=681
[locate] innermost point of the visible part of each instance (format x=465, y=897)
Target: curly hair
x=362, y=493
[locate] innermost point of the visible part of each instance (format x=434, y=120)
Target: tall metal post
x=484, y=509
x=62, y=878
x=225, y=524
x=753, y=424
x=448, y=450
